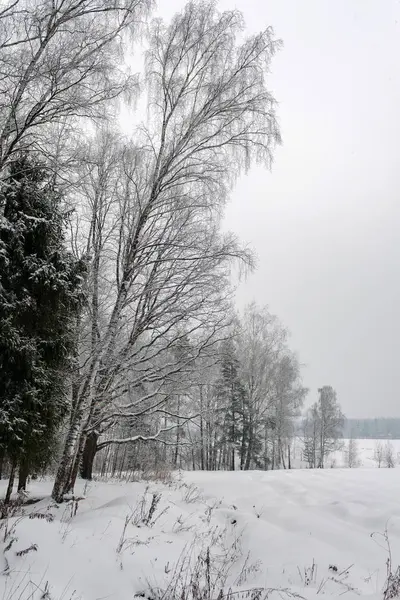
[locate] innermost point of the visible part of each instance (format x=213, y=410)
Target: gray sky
x=325, y=223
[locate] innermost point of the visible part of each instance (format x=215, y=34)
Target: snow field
x=281, y=529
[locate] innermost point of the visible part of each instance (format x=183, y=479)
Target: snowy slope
x=274, y=525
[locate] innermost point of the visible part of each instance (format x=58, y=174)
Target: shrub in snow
x=191, y=493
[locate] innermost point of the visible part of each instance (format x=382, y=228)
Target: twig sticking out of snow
x=392, y=584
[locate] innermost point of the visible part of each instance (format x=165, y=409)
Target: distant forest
x=372, y=428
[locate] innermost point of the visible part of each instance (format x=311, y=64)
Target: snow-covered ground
x=281, y=529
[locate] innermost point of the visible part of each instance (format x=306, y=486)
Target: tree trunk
x=322, y=447
x=210, y=446
x=115, y=461
x=202, y=461
x=233, y=465
x=76, y=464
x=282, y=458
x=105, y=461
x=265, y=448
x=165, y=447
x=273, y=454
x=278, y=454
x=88, y=456
x=214, y=454
x=178, y=434
x=218, y=466
x=122, y=465
x=10, y=486
x=243, y=447
x=193, y=460
x=23, y=474
x=64, y=470
x=249, y=449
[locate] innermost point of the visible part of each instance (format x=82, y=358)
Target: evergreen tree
x=40, y=291
x=231, y=394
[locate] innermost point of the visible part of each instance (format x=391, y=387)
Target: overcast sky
x=325, y=223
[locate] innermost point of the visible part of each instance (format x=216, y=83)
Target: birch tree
x=289, y=396
x=209, y=116
x=61, y=63
x=323, y=428
x=331, y=421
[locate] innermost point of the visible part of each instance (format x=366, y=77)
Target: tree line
x=378, y=428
